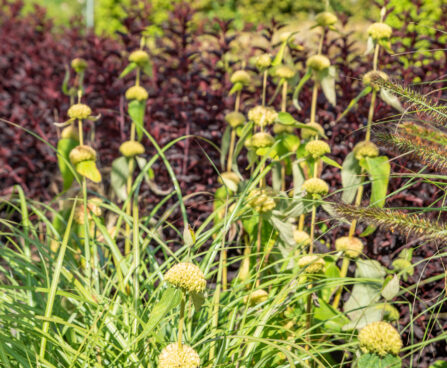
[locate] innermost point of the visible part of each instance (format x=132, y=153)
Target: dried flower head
x=136, y=93
x=351, y=246
x=262, y=115
x=263, y=61
x=311, y=263
x=93, y=208
x=70, y=132
x=174, y=357
x=256, y=297
x=235, y=119
x=373, y=77
x=261, y=140
x=326, y=19
x=316, y=186
x=285, y=72
x=365, y=149
x=318, y=62
x=82, y=153
x=380, y=338
x=301, y=237
x=131, y=149
x=317, y=148
x=378, y=31
x=317, y=130
x=261, y=200
x=139, y=57
x=79, y=65
x=186, y=276
x=240, y=76
x=79, y=111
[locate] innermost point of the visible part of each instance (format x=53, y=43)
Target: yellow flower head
x=301, y=237
x=351, y=246
x=263, y=61
x=326, y=19
x=240, y=76
x=82, y=153
x=316, y=186
x=379, y=31
x=79, y=111
x=131, y=149
x=285, y=72
x=311, y=263
x=365, y=149
x=256, y=297
x=261, y=200
x=186, y=276
x=380, y=338
x=317, y=148
x=235, y=119
x=79, y=65
x=136, y=93
x=262, y=115
x=317, y=130
x=373, y=77
x=261, y=140
x=174, y=357
x=70, y=132
x=139, y=57
x=318, y=62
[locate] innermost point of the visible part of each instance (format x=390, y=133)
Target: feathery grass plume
x=412, y=129
x=428, y=153
x=394, y=220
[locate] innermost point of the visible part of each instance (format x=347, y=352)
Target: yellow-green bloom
x=79, y=65
x=131, y=149
x=379, y=31
x=365, y=149
x=301, y=237
x=235, y=119
x=186, y=276
x=261, y=140
x=261, y=200
x=317, y=148
x=373, y=77
x=311, y=263
x=256, y=297
x=318, y=62
x=262, y=115
x=285, y=72
x=83, y=158
x=263, y=61
x=79, y=111
x=139, y=57
x=136, y=93
x=82, y=153
x=351, y=246
x=380, y=338
x=240, y=76
x=315, y=186
x=317, y=130
x=174, y=357
x=326, y=19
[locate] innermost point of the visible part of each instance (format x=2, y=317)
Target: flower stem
x=343, y=273
x=264, y=87
x=136, y=252
x=181, y=321
x=128, y=206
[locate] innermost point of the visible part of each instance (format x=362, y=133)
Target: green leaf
x=285, y=118
x=391, y=99
x=147, y=69
x=378, y=169
x=198, y=299
x=136, y=111
x=369, y=46
x=170, y=299
x=285, y=230
x=89, y=170
x=350, y=178
x=225, y=146
x=64, y=147
x=376, y=361
x=280, y=55
x=118, y=177
x=368, y=231
x=328, y=84
x=439, y=364
x=390, y=287
x=299, y=87
x=65, y=89
x=331, y=162
x=236, y=88
x=128, y=69
x=354, y=101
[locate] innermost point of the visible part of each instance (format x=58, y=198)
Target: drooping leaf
x=378, y=169
x=198, y=299
x=136, y=111
x=331, y=162
x=369, y=46
x=128, y=69
x=328, y=84
x=390, y=287
x=236, y=88
x=118, y=177
x=189, y=237
x=285, y=230
x=225, y=145
x=64, y=147
x=298, y=88
x=170, y=299
x=280, y=55
x=350, y=178
x=65, y=89
x=147, y=69
x=365, y=91
x=391, y=99
x=89, y=170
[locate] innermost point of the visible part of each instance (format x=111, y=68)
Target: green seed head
x=79, y=65
x=317, y=148
x=136, y=93
x=318, y=63
x=139, y=57
x=79, y=112
x=93, y=208
x=379, y=31
x=365, y=149
x=70, y=132
x=326, y=19
x=261, y=200
x=373, y=77
x=186, y=276
x=285, y=72
x=131, y=149
x=256, y=297
x=263, y=61
x=301, y=237
x=380, y=338
x=235, y=119
x=317, y=130
x=241, y=76
x=172, y=356
x=351, y=246
x=311, y=263
x=262, y=115
x=261, y=140
x=82, y=153
x=315, y=186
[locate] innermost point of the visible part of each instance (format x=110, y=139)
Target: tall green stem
x=181, y=321
x=136, y=252
x=128, y=206
x=264, y=87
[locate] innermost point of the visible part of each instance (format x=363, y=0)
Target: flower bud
x=79, y=112
x=136, y=93
x=263, y=61
x=318, y=62
x=285, y=72
x=261, y=140
x=139, y=57
x=380, y=338
x=82, y=153
x=70, y=132
x=262, y=115
x=261, y=200
x=326, y=19
x=365, y=149
x=256, y=297
x=379, y=31
x=235, y=119
x=315, y=186
x=311, y=263
x=309, y=133
x=174, y=357
x=351, y=246
x=186, y=276
x=240, y=76
x=79, y=65
x=373, y=77
x=317, y=148
x=131, y=149
x=301, y=237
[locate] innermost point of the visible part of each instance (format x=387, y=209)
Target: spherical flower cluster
x=136, y=93
x=285, y=72
x=311, y=263
x=131, y=149
x=380, y=338
x=351, y=246
x=365, y=149
x=318, y=62
x=186, y=276
x=379, y=31
x=317, y=148
x=174, y=357
x=93, y=208
x=262, y=115
x=301, y=237
x=256, y=297
x=70, y=132
x=309, y=133
x=373, y=77
x=263, y=61
x=79, y=111
x=79, y=65
x=235, y=119
x=240, y=76
x=326, y=19
x=261, y=140
x=261, y=200
x=139, y=57
x=315, y=186
x=82, y=153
